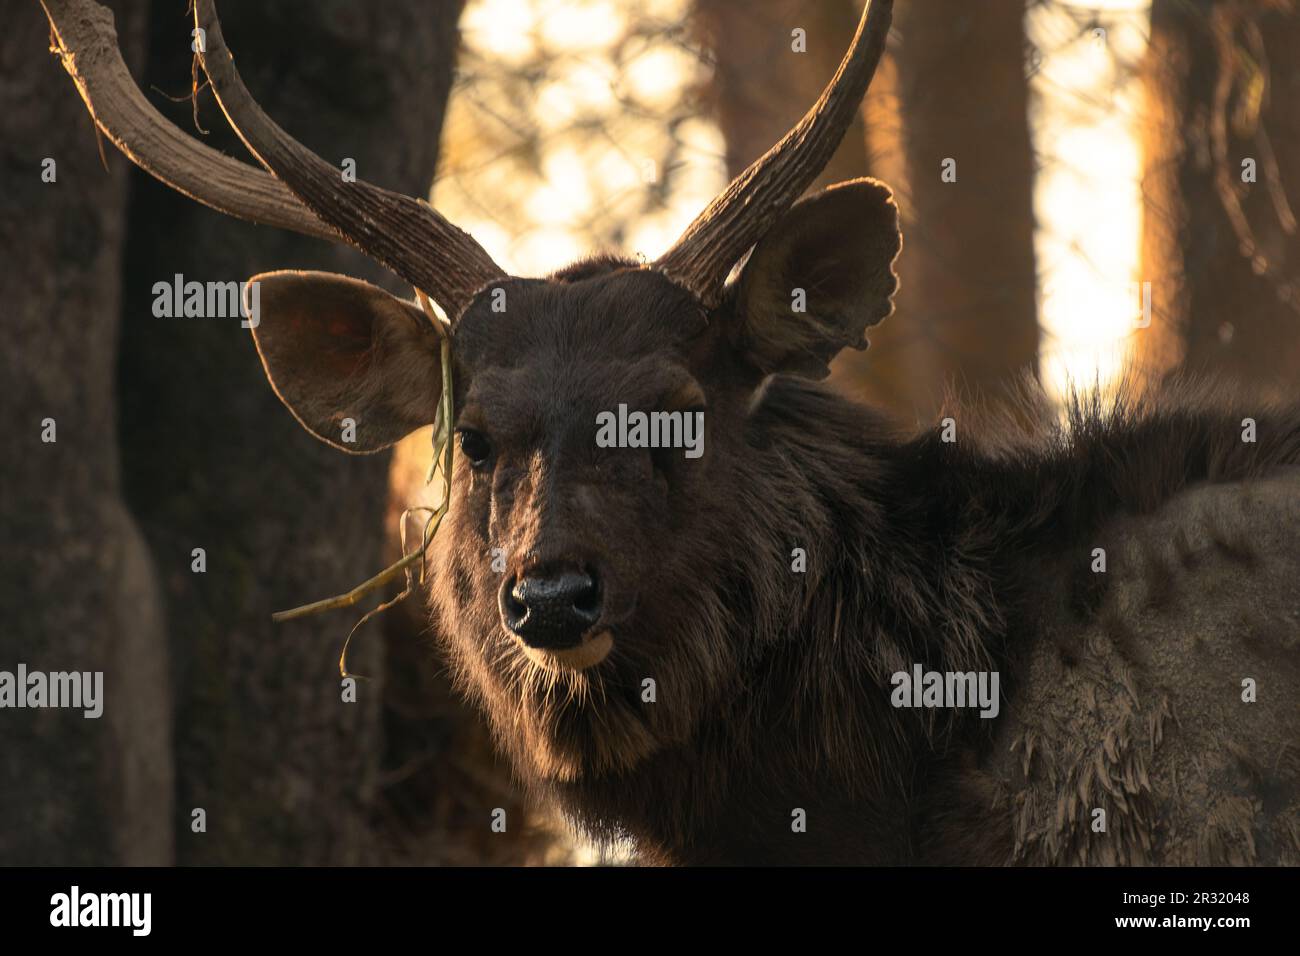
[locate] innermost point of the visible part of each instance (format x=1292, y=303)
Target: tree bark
x=966, y=311
x=77, y=588
x=1222, y=255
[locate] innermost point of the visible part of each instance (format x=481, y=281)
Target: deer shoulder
x=1153, y=716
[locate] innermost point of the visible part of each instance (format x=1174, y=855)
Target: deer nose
x=551, y=611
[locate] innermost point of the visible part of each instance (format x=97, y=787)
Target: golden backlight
x=1087, y=196
x=573, y=129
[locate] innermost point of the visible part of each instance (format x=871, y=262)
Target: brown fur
x=773, y=685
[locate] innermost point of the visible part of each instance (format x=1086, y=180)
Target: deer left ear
x=819, y=279
x=359, y=368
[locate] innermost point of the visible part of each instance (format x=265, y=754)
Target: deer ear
x=336, y=348
x=819, y=279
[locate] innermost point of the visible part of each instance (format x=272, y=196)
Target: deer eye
x=474, y=446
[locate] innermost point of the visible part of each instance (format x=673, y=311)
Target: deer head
x=615, y=564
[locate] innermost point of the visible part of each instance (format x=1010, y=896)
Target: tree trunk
x=762, y=85
x=77, y=589
x=284, y=770
x=966, y=311
x=1223, y=255
x=949, y=86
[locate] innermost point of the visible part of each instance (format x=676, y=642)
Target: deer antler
x=705, y=254
x=300, y=191
x=86, y=42
x=403, y=234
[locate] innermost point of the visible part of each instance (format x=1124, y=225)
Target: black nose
x=551, y=610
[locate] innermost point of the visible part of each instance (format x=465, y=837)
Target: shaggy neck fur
x=918, y=551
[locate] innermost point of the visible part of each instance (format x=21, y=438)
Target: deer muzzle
x=556, y=615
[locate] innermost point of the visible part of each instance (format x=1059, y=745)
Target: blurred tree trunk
x=951, y=85
x=286, y=772
x=77, y=590
x=1222, y=80
x=762, y=86
x=967, y=315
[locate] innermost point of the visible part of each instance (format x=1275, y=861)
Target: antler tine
x=86, y=42
x=403, y=234
x=705, y=254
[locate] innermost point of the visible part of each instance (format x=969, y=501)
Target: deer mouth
x=589, y=652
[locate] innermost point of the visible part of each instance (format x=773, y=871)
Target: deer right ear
x=337, y=349
x=819, y=279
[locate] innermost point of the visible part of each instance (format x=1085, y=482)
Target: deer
x=770, y=653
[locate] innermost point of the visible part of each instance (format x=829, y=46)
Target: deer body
x=1131, y=700
x=1122, y=688
x=701, y=651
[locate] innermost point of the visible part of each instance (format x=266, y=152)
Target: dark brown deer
x=719, y=657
